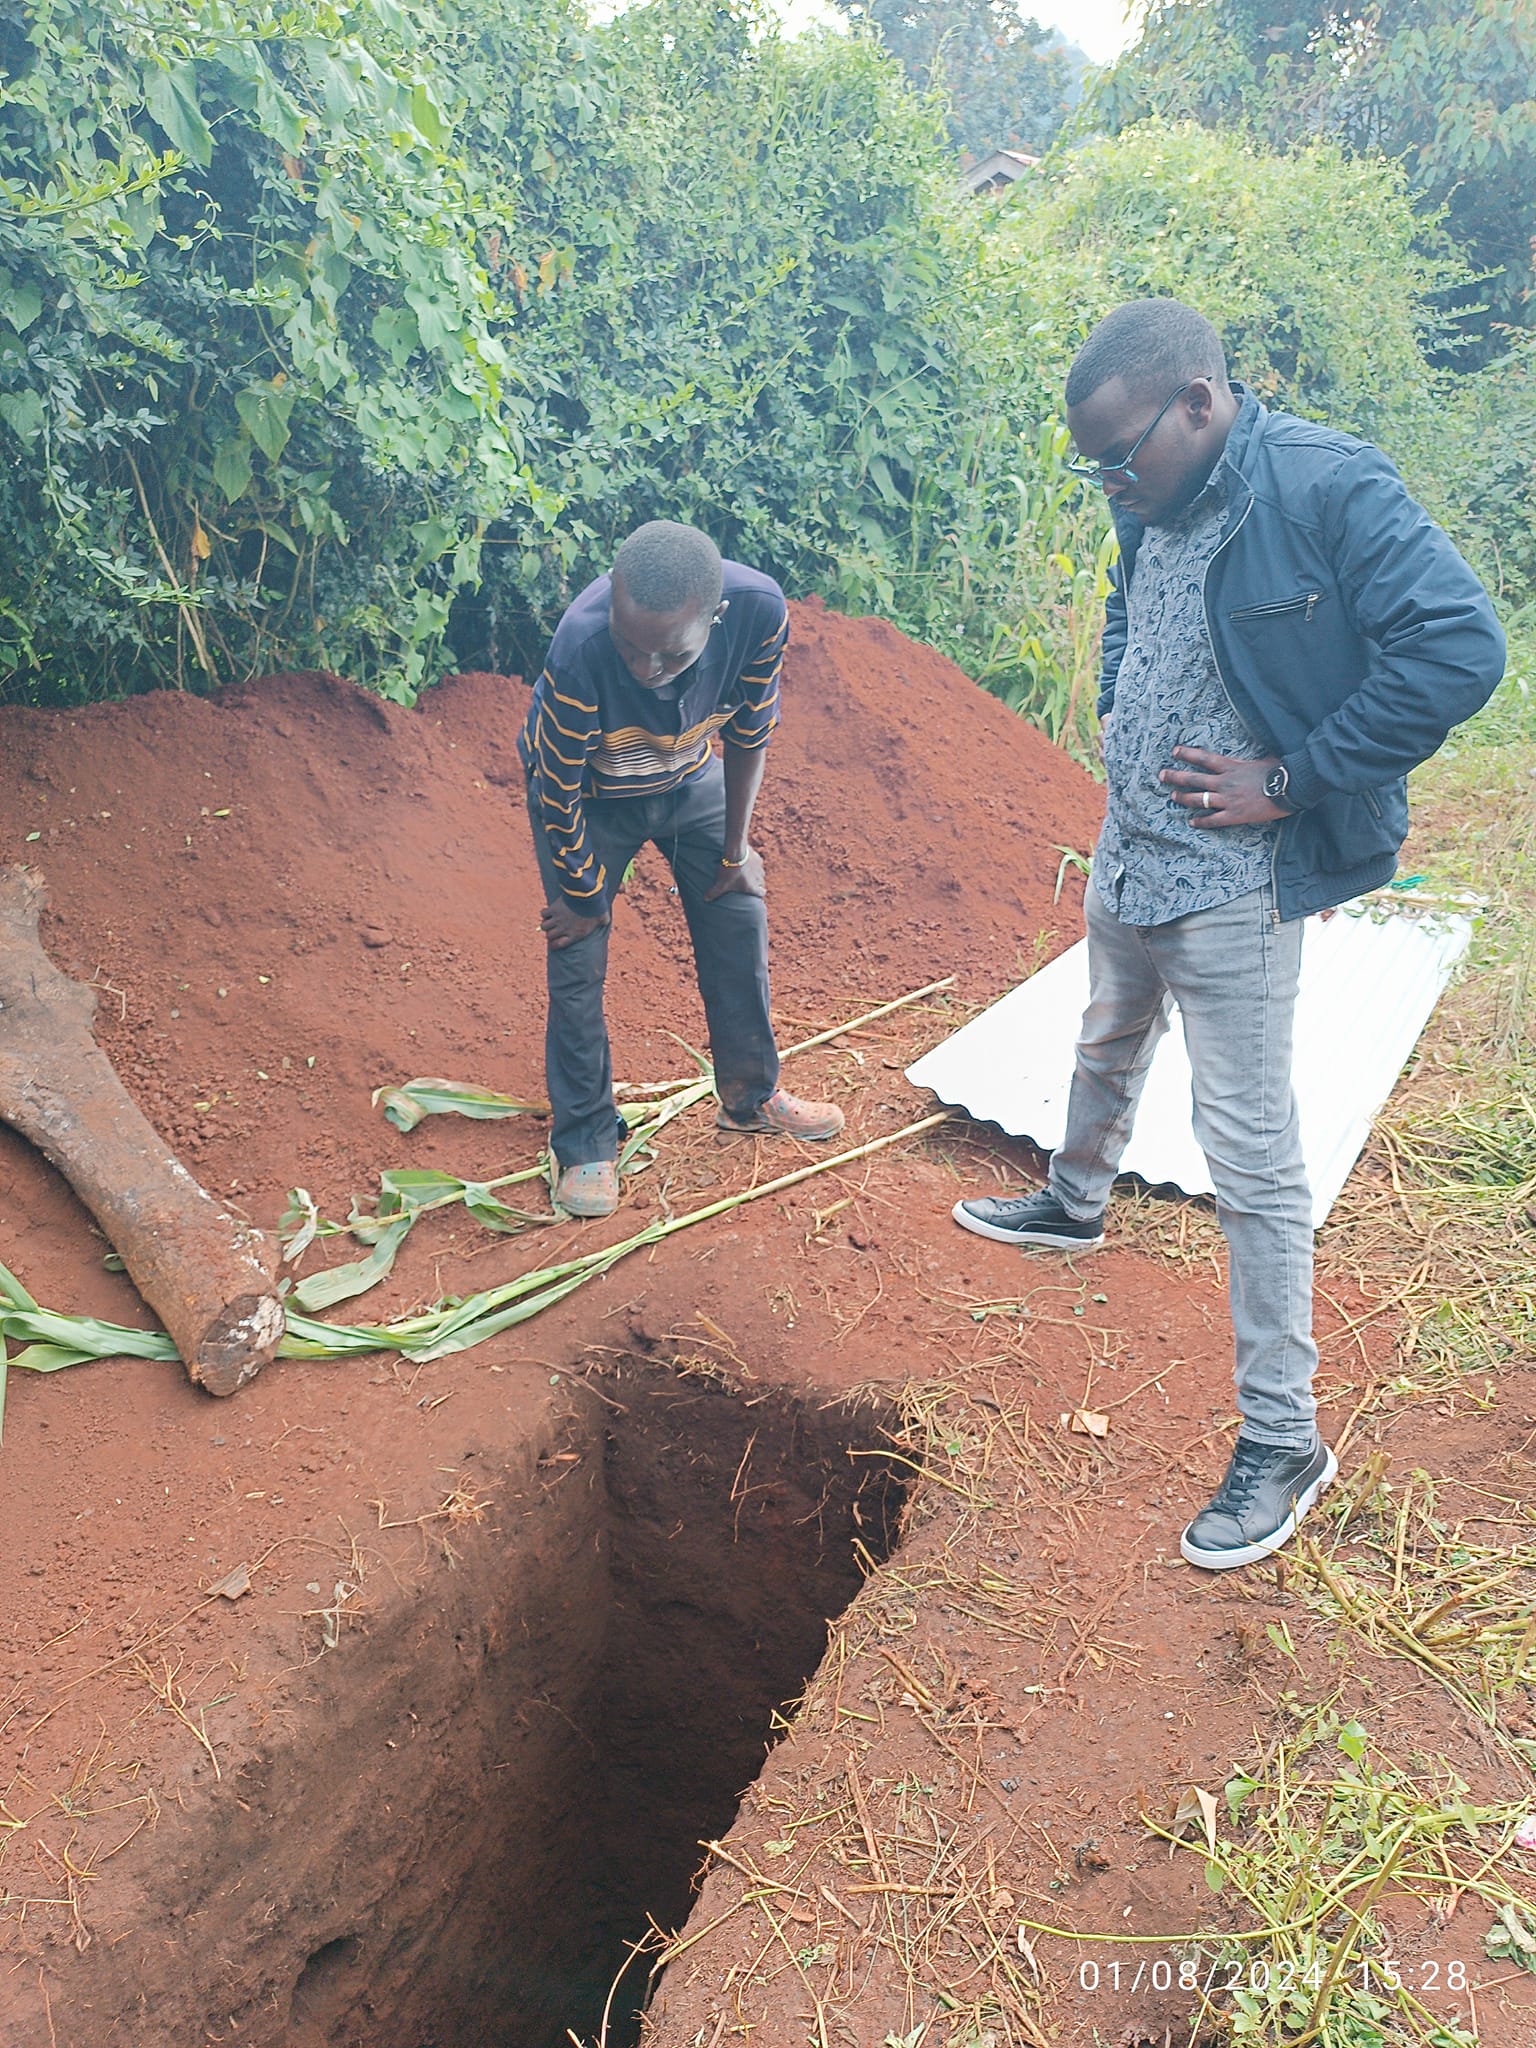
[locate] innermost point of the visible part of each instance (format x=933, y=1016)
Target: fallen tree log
x=207, y=1275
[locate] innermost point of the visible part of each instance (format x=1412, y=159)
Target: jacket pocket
x=1347, y=831
x=1306, y=604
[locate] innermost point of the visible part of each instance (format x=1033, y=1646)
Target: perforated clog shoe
x=591, y=1189
x=785, y=1116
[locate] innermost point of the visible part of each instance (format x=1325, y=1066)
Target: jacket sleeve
x=562, y=735
x=1438, y=647
x=1116, y=632
x=751, y=724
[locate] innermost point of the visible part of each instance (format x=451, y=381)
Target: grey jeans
x=1232, y=971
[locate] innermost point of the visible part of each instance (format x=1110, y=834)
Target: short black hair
x=1147, y=342
x=667, y=567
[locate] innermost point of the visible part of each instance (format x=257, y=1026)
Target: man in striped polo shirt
x=673, y=646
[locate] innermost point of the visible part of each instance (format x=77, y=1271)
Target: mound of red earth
x=287, y=896
x=295, y=891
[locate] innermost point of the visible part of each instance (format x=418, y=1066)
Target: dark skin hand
x=746, y=880
x=1235, y=788
x=562, y=926
x=741, y=869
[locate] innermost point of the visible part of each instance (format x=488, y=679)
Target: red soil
x=296, y=893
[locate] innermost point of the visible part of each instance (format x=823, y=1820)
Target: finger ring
x=1205, y=798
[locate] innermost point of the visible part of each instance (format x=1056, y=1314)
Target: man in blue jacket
x=1287, y=636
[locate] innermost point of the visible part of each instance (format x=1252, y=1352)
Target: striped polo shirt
x=593, y=731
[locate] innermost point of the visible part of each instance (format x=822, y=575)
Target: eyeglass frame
x=1095, y=472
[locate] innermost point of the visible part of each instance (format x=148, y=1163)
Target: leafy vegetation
x=247, y=286
x=1439, y=85
x=358, y=338
x=1004, y=78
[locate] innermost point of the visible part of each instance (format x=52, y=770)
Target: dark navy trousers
x=730, y=952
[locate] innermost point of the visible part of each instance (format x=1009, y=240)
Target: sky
x=1098, y=27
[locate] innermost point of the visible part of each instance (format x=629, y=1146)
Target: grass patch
x=1321, y=1834
x=1455, y=1595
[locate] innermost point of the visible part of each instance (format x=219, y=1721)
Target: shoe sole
x=1251, y=1553
x=775, y=1131
x=1048, y=1240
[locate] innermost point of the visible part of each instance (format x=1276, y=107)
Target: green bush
x=1313, y=265
x=1441, y=86
x=760, y=332
x=251, y=318
x=361, y=338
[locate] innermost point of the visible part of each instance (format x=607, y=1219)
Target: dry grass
x=1439, y=1576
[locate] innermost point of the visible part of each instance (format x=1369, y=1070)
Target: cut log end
x=241, y=1339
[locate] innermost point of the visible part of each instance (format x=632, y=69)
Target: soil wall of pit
x=497, y=1767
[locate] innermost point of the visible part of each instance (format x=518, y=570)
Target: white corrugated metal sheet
x=1369, y=979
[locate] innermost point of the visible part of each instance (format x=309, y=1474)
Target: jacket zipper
x=1307, y=603
x=1210, y=639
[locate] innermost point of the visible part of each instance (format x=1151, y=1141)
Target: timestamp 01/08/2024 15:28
x=1257, y=1974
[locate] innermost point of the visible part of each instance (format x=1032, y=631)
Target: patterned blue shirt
x=1153, y=863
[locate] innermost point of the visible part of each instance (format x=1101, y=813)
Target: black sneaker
x=1030, y=1219
x=1257, y=1506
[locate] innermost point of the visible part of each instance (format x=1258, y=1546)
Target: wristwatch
x=1276, y=784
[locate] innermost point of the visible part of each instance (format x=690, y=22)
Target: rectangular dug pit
x=617, y=1653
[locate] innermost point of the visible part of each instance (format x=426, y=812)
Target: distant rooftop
x=999, y=170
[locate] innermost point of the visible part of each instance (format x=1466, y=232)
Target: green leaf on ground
x=324, y=1289
x=430, y=1095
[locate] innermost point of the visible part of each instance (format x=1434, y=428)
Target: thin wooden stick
x=789, y=1180
x=856, y=1792
x=869, y=1016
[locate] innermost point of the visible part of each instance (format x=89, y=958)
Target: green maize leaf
x=468, y=1328
x=92, y=1339
x=463, y=1337
x=51, y=1357
x=300, y=1224
x=57, y=1341
x=500, y=1307
x=407, y=1104
x=307, y=1338
x=494, y=1215
x=647, y=1108
x=444, y=1329
x=341, y=1283
x=412, y=1189
x=647, y=1119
